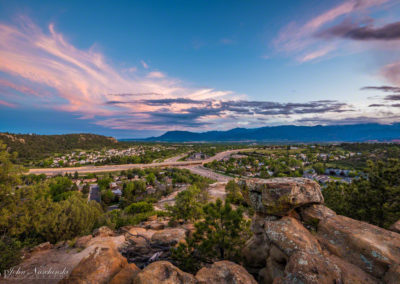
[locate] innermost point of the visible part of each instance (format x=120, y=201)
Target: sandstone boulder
x=369, y=247
x=100, y=266
x=255, y=250
x=393, y=275
x=103, y=232
x=125, y=275
x=169, y=236
x=155, y=225
x=224, y=272
x=290, y=236
x=42, y=246
x=395, y=227
x=82, y=242
x=163, y=272
x=349, y=272
x=279, y=196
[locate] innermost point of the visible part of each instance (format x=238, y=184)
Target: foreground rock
x=163, y=272
x=169, y=236
x=125, y=275
x=225, y=272
x=395, y=227
x=369, y=247
x=100, y=266
x=299, y=240
x=279, y=196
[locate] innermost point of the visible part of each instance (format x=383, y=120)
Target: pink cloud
x=82, y=80
x=316, y=54
x=301, y=41
x=156, y=74
x=7, y=104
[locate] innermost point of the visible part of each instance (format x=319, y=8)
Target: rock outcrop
x=100, y=266
x=125, y=275
x=279, y=196
x=369, y=247
x=169, y=236
x=163, y=272
x=224, y=272
x=299, y=240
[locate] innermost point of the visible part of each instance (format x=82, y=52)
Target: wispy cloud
x=80, y=81
x=144, y=64
x=156, y=74
x=320, y=35
x=354, y=31
x=7, y=104
x=43, y=68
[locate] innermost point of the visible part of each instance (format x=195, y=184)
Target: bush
x=68, y=218
x=139, y=207
x=10, y=253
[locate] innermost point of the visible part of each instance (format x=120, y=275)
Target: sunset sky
x=133, y=69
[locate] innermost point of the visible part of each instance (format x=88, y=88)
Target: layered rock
x=279, y=196
x=298, y=240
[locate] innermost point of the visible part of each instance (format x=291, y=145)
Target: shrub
x=138, y=207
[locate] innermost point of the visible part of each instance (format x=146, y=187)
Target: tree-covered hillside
x=35, y=147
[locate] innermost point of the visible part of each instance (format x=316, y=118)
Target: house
x=117, y=192
x=90, y=180
x=150, y=189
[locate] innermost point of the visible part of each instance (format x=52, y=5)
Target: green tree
x=59, y=185
x=69, y=218
x=188, y=205
x=319, y=168
x=234, y=194
x=220, y=236
x=104, y=183
x=9, y=178
x=150, y=178
x=375, y=199
x=107, y=196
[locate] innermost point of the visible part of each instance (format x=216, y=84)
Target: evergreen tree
x=220, y=236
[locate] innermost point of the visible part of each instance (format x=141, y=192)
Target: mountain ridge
x=289, y=133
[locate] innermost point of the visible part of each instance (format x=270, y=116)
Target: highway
x=205, y=172
x=114, y=168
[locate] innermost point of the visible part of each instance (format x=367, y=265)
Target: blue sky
x=140, y=68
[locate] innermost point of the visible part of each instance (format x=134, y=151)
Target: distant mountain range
x=290, y=133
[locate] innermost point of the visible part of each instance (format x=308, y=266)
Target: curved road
x=114, y=168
